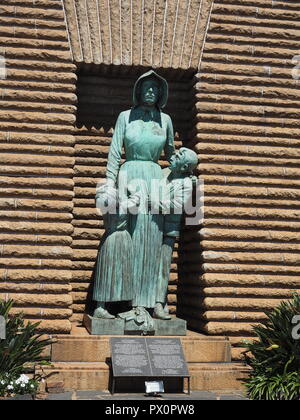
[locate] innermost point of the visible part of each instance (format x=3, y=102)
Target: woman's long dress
x=143, y=143
x=113, y=281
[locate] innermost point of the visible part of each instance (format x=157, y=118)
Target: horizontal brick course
x=37, y=158
x=244, y=259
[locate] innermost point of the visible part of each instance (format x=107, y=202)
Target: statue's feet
x=102, y=313
x=160, y=313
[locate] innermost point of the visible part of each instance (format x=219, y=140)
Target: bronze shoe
x=102, y=313
x=160, y=313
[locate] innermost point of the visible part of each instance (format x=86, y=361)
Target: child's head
x=183, y=161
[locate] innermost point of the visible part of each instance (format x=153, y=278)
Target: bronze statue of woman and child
x=141, y=207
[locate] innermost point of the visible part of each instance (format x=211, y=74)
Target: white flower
x=10, y=387
x=23, y=378
x=31, y=386
x=22, y=385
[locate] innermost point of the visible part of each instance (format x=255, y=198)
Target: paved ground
x=98, y=395
x=106, y=396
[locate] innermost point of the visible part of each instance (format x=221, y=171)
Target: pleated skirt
x=146, y=231
x=113, y=276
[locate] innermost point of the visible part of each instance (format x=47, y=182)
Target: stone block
x=174, y=326
x=95, y=376
x=98, y=326
x=132, y=328
x=117, y=326
x=55, y=387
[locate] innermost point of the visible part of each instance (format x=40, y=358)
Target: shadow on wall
x=103, y=95
x=190, y=301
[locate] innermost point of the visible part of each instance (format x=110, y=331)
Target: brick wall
x=248, y=141
x=245, y=257
x=37, y=158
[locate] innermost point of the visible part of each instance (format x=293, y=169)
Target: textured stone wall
x=248, y=141
x=245, y=257
x=160, y=33
x=37, y=158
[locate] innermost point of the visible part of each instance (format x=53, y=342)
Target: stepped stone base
x=95, y=349
x=96, y=376
x=117, y=326
x=81, y=361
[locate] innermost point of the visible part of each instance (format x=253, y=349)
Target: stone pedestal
x=174, y=326
x=80, y=361
x=117, y=326
x=132, y=328
x=99, y=326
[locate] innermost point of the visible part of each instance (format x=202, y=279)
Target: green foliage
x=274, y=355
x=22, y=346
x=277, y=387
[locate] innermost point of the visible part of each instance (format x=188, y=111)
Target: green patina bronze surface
x=135, y=253
x=144, y=132
x=118, y=326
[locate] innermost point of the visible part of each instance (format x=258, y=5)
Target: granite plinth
x=100, y=326
x=174, y=326
x=132, y=328
x=117, y=326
